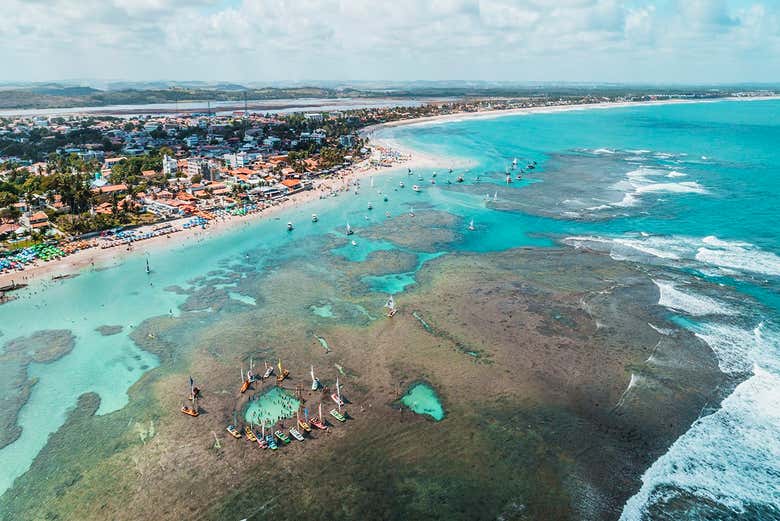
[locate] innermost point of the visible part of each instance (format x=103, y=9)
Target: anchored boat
x=336, y=397
x=390, y=305
x=269, y=370
x=250, y=435
x=336, y=414
x=283, y=373
x=302, y=423
x=318, y=422
x=245, y=382
x=314, y=218
x=194, y=393
x=282, y=437
x=296, y=434
x=290, y=226
x=315, y=382
x=233, y=431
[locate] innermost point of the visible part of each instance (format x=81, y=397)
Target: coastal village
x=69, y=183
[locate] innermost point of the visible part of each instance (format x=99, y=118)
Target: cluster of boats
x=280, y=437
x=273, y=440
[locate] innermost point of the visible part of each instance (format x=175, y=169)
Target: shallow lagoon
x=423, y=400
x=271, y=407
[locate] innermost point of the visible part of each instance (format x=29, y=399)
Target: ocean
x=682, y=193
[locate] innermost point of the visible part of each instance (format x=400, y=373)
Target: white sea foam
x=644, y=180
x=731, y=258
x=731, y=457
x=740, y=256
x=604, y=151
x=690, y=303
x=680, y=188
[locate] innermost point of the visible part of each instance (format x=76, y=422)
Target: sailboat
x=250, y=435
x=193, y=410
x=495, y=197
x=233, y=431
x=416, y=188
x=269, y=439
x=390, y=305
x=370, y=206
x=148, y=269
x=401, y=184
x=314, y=218
x=290, y=226
x=302, y=423
x=336, y=397
x=296, y=434
x=411, y=212
x=318, y=421
x=283, y=373
x=471, y=225
x=514, y=163
x=508, y=179
x=315, y=383
x=337, y=414
x=245, y=381
x=349, y=229
x=260, y=436
x=282, y=436
x=269, y=370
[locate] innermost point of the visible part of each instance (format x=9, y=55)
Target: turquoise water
x=422, y=399
x=689, y=190
x=271, y=407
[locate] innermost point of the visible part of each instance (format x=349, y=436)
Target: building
x=170, y=166
x=198, y=166
x=36, y=221
x=191, y=141
x=313, y=116
x=347, y=141
x=234, y=161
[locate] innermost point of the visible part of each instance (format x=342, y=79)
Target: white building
x=238, y=160
x=191, y=141
x=313, y=116
x=169, y=165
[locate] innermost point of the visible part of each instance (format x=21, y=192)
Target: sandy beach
x=410, y=158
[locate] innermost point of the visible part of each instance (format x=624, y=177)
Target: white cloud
x=484, y=39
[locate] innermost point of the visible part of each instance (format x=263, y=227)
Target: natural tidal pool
x=422, y=399
x=271, y=407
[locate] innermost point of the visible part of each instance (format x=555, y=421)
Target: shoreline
x=413, y=158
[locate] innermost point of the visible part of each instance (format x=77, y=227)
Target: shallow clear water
x=271, y=407
x=422, y=399
x=690, y=189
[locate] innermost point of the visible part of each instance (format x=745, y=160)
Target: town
x=79, y=181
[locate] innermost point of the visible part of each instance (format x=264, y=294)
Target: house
x=292, y=185
x=36, y=221
x=6, y=229
x=111, y=189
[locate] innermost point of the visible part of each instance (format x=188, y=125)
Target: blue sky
x=663, y=41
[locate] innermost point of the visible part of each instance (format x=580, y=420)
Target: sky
x=658, y=41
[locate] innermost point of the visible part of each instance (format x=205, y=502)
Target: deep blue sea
x=688, y=189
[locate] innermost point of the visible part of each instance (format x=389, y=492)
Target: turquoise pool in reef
x=422, y=399
x=271, y=407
